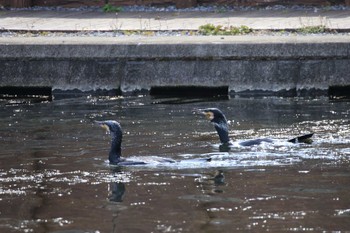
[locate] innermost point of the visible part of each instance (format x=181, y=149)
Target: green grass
x=312, y=29
x=219, y=30
x=110, y=8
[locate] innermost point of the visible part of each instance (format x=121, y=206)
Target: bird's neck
x=116, y=152
x=222, y=130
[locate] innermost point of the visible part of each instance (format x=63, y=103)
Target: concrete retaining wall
x=177, y=3
x=242, y=63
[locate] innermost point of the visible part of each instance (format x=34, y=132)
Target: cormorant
x=114, y=128
x=220, y=123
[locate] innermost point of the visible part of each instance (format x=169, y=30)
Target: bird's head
x=112, y=127
x=214, y=115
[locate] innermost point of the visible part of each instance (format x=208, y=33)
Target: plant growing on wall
x=210, y=29
x=110, y=8
x=312, y=29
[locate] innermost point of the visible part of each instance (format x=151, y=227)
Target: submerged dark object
x=220, y=123
x=339, y=92
x=180, y=94
x=115, y=153
x=24, y=94
x=189, y=91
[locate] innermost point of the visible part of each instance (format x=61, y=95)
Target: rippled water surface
x=54, y=176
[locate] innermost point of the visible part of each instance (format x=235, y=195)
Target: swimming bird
x=220, y=123
x=115, y=153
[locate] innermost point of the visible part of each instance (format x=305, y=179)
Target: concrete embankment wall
x=265, y=63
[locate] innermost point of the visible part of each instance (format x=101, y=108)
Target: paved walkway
x=87, y=20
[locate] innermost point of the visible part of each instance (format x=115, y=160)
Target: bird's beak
x=208, y=114
x=198, y=111
x=103, y=125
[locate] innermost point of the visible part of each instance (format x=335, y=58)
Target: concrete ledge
x=264, y=63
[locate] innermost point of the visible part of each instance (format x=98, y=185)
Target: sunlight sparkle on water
x=54, y=177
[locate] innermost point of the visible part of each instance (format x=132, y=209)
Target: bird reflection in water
x=211, y=183
x=116, y=189
x=219, y=178
x=225, y=147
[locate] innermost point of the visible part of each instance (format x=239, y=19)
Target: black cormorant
x=113, y=127
x=220, y=123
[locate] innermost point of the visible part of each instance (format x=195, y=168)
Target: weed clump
x=219, y=30
x=312, y=29
x=110, y=8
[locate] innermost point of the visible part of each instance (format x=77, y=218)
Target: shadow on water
x=54, y=176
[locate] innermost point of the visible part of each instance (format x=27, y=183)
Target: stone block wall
x=275, y=65
x=177, y=3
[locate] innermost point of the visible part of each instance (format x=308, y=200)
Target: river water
x=55, y=178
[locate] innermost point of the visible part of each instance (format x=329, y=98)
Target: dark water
x=54, y=176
